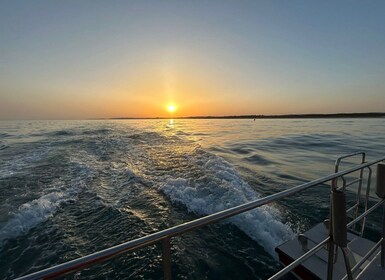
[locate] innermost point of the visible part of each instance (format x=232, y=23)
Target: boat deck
x=316, y=266
x=374, y=271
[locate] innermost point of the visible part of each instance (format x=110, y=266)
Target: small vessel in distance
x=335, y=249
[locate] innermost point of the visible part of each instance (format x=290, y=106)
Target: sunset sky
x=102, y=59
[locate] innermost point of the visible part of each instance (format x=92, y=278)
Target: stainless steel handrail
x=359, y=180
x=144, y=241
x=363, y=215
x=300, y=260
x=365, y=258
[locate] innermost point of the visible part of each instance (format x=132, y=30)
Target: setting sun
x=171, y=108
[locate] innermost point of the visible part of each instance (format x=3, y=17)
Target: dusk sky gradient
x=101, y=59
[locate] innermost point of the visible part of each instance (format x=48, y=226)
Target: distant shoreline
x=371, y=115
x=286, y=116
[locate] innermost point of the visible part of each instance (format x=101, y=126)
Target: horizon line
x=249, y=116
x=261, y=116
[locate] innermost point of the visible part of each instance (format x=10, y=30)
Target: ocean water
x=70, y=188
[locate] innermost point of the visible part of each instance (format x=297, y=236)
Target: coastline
x=286, y=116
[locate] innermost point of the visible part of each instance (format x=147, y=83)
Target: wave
x=23, y=160
x=31, y=214
x=5, y=135
x=258, y=159
x=96, y=131
x=203, y=182
x=3, y=146
x=219, y=187
x=206, y=183
x=308, y=141
x=63, y=133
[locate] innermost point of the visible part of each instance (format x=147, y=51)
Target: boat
x=333, y=249
x=339, y=249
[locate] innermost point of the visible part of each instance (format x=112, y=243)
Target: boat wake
x=111, y=164
x=214, y=186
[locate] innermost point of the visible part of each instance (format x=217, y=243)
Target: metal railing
x=355, y=208
x=165, y=236
x=338, y=212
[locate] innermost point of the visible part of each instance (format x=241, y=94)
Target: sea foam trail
x=219, y=187
x=31, y=214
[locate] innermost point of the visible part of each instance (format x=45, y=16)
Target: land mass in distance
x=286, y=116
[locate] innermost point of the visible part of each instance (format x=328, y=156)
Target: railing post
x=339, y=229
x=380, y=186
x=331, y=239
x=383, y=238
x=166, y=258
x=380, y=191
x=330, y=258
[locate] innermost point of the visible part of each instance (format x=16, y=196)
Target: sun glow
x=171, y=108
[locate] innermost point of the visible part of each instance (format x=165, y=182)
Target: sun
x=171, y=108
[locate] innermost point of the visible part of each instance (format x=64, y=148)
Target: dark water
x=68, y=189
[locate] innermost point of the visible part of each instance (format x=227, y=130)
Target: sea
x=71, y=188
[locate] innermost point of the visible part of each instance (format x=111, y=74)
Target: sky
x=104, y=59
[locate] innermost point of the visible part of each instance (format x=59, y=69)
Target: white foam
x=31, y=214
x=221, y=187
x=23, y=160
x=37, y=211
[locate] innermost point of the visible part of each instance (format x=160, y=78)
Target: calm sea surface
x=70, y=188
